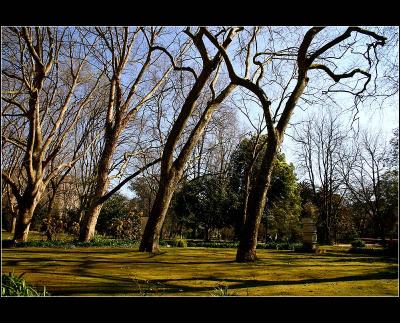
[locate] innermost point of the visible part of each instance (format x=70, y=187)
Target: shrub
x=74, y=228
x=126, y=227
x=179, y=242
x=16, y=286
x=53, y=226
x=358, y=243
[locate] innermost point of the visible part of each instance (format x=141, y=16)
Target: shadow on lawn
x=120, y=283
x=163, y=287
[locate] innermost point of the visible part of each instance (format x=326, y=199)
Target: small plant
x=179, y=242
x=358, y=243
x=222, y=290
x=12, y=285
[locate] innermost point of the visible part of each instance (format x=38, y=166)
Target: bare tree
x=119, y=46
x=48, y=66
x=172, y=170
x=321, y=140
x=363, y=165
x=311, y=54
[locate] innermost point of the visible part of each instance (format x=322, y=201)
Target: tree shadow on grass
x=121, y=283
x=164, y=287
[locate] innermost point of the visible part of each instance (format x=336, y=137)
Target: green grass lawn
x=199, y=271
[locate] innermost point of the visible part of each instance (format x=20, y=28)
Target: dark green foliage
x=358, y=243
x=118, y=219
x=367, y=251
x=12, y=285
x=203, y=204
x=390, y=202
x=224, y=244
x=281, y=216
x=96, y=242
x=38, y=217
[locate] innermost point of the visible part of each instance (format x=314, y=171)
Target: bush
x=179, y=242
x=126, y=227
x=53, y=226
x=358, y=243
x=16, y=286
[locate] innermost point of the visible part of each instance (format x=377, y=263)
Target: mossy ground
x=198, y=271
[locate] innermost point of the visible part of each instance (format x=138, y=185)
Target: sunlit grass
x=199, y=271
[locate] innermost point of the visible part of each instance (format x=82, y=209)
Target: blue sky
x=371, y=116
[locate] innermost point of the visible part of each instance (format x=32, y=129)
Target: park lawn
x=199, y=271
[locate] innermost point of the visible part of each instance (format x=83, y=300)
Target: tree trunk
x=49, y=216
x=23, y=222
x=257, y=199
x=12, y=201
x=88, y=224
x=207, y=234
x=89, y=219
x=13, y=223
x=246, y=193
x=151, y=235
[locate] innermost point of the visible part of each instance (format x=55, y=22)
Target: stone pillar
x=309, y=234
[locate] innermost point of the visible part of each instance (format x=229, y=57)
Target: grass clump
x=12, y=285
x=179, y=242
x=222, y=290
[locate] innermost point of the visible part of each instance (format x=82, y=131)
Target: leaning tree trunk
x=88, y=224
x=89, y=219
x=256, y=204
x=151, y=235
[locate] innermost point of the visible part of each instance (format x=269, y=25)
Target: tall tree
x=370, y=182
x=172, y=170
x=321, y=140
x=312, y=54
x=52, y=86
x=122, y=105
